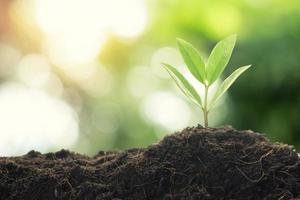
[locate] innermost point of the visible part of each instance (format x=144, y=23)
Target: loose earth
x=194, y=164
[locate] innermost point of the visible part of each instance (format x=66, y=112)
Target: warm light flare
x=76, y=30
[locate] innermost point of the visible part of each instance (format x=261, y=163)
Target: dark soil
x=196, y=163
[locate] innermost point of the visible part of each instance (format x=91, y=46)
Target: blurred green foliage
x=267, y=99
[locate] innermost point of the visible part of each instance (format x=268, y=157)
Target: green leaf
x=219, y=58
x=183, y=84
x=226, y=84
x=192, y=59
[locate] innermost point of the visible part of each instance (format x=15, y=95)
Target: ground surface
x=195, y=164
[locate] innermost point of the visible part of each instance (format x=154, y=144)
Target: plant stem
x=205, y=109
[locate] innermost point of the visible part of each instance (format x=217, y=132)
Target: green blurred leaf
x=187, y=89
x=219, y=58
x=192, y=59
x=226, y=84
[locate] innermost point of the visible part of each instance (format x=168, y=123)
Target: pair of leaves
x=205, y=73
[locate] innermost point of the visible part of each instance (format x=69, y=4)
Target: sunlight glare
x=31, y=119
x=67, y=51
x=76, y=30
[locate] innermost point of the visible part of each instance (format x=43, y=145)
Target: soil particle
x=195, y=164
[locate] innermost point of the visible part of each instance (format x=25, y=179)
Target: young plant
x=205, y=72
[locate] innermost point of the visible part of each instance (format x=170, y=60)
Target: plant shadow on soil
x=196, y=163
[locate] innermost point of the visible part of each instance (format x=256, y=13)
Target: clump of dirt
x=196, y=163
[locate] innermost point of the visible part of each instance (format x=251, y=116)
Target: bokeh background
x=86, y=75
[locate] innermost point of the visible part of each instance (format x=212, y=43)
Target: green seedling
x=205, y=72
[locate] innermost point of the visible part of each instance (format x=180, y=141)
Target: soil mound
x=195, y=163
